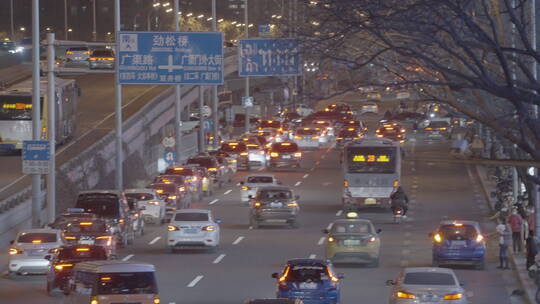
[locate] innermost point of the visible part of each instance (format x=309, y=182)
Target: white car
x=249, y=186
x=27, y=252
x=308, y=137
x=304, y=110
x=193, y=229
x=154, y=207
x=426, y=285
x=369, y=107
x=257, y=155
x=77, y=56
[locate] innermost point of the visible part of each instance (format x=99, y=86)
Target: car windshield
x=371, y=159
x=285, y=147
x=270, y=124
x=457, y=233
x=274, y=194
x=127, y=283
x=102, y=53
x=35, y=237
x=163, y=189
x=351, y=228
x=307, y=132
x=180, y=171
x=77, y=49
x=438, y=124
x=253, y=147
x=82, y=253
x=307, y=273
x=259, y=179
x=429, y=278
x=140, y=196
x=85, y=227
x=104, y=205
x=233, y=147
x=191, y=217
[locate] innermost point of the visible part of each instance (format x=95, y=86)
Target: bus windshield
x=371, y=159
x=16, y=107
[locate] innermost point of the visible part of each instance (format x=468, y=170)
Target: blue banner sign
x=170, y=58
x=269, y=57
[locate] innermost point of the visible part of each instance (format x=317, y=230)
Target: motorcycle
x=397, y=215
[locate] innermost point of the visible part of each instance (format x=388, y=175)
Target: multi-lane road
x=242, y=266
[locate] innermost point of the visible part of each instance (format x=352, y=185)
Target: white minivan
x=107, y=282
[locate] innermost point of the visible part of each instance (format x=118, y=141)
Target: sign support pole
x=118, y=105
x=215, y=115
x=36, y=113
x=201, y=140
x=247, y=78
x=51, y=129
x=177, y=92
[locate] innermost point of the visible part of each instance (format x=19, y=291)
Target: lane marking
x=195, y=281
x=329, y=226
x=238, y=240
x=218, y=259
x=152, y=242
x=298, y=184
x=305, y=176
x=127, y=257
x=214, y=201
x=312, y=256
x=339, y=213
x=227, y=192
x=321, y=240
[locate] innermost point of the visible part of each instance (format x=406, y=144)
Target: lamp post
x=94, y=30
x=246, y=93
x=215, y=115
x=65, y=20
x=177, y=91
x=11, y=20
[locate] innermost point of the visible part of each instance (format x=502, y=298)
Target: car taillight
x=60, y=267
x=209, y=228
x=405, y=295
x=437, y=238
x=331, y=239
x=244, y=154
x=212, y=169
x=479, y=238
x=14, y=251
x=395, y=184
x=453, y=296
x=283, y=286
x=298, y=154
x=346, y=183
x=182, y=189
x=274, y=154
x=257, y=204
x=298, y=137
x=245, y=188
x=172, y=228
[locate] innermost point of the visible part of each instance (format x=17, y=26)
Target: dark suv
x=284, y=154
x=239, y=150
x=274, y=204
x=112, y=206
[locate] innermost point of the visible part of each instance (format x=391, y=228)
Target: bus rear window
x=17, y=107
x=371, y=159
x=127, y=283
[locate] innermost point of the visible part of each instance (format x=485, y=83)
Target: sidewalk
x=518, y=261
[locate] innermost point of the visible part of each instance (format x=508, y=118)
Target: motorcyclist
x=399, y=201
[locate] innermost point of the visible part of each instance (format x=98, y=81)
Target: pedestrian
x=531, y=219
x=477, y=146
x=531, y=245
x=503, y=231
x=516, y=223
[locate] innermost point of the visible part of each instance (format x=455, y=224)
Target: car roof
x=428, y=269
x=306, y=261
x=193, y=210
x=340, y=221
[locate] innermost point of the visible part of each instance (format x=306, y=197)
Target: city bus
x=16, y=112
x=372, y=172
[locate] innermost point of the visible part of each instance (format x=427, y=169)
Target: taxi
x=391, y=130
x=353, y=240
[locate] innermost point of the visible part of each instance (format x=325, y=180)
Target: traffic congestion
x=114, y=245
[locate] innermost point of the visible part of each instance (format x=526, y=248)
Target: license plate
x=191, y=230
x=430, y=298
x=351, y=242
x=36, y=252
x=276, y=205
x=286, y=156
x=458, y=244
x=370, y=201
x=78, y=58
x=308, y=285
x=86, y=241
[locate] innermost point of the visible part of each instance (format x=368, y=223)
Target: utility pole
x=65, y=20
x=118, y=106
x=295, y=77
x=215, y=115
x=11, y=20
x=246, y=93
x=36, y=113
x=177, y=92
x=94, y=30
x=51, y=129
x=201, y=121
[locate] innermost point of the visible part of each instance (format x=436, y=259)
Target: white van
x=107, y=282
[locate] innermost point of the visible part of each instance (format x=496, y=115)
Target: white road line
x=238, y=240
x=152, y=242
x=312, y=256
x=218, y=259
x=298, y=184
x=329, y=226
x=227, y=192
x=127, y=257
x=321, y=240
x=238, y=184
x=195, y=281
x=339, y=213
x=214, y=201
x=305, y=176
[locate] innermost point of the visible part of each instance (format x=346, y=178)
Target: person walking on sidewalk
x=516, y=225
x=531, y=246
x=503, y=231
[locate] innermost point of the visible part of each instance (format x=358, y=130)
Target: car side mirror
x=379, y=231
x=297, y=197
x=11, y=242
x=390, y=283
x=48, y=257
x=275, y=275
x=340, y=276
x=218, y=221
x=325, y=231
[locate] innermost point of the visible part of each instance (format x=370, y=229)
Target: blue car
x=310, y=280
x=459, y=242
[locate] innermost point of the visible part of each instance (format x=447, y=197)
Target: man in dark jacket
x=399, y=200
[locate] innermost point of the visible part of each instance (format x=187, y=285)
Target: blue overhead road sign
x=269, y=57
x=170, y=58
